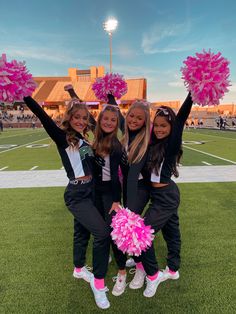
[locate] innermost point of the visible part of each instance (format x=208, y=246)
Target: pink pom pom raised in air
x=111, y=83
x=15, y=80
x=130, y=234
x=206, y=76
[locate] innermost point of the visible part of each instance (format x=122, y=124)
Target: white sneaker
x=130, y=262
x=100, y=296
x=110, y=259
x=83, y=274
x=138, y=281
x=170, y=275
x=120, y=284
x=152, y=285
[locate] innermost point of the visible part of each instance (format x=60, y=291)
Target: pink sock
x=153, y=277
x=99, y=283
x=77, y=269
x=140, y=266
x=172, y=272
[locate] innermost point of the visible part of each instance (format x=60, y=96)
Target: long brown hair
x=104, y=143
x=158, y=147
x=138, y=147
x=72, y=136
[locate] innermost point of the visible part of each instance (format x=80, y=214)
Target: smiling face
x=79, y=120
x=161, y=127
x=135, y=119
x=108, y=122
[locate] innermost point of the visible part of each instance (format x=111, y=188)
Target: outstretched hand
x=115, y=207
x=68, y=87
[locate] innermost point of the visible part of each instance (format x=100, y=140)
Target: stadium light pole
x=110, y=26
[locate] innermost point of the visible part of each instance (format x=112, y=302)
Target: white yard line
x=33, y=168
x=199, y=151
x=218, y=136
x=20, y=134
x=206, y=163
x=7, y=150
x=3, y=168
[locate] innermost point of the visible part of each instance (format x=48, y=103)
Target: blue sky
x=152, y=40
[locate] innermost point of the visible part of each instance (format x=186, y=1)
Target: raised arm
x=57, y=134
x=185, y=109
x=176, y=134
x=69, y=88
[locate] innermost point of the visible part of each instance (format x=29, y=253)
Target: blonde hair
x=73, y=106
x=138, y=147
x=104, y=144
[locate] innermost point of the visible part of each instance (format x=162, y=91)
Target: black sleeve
x=57, y=134
x=115, y=159
x=92, y=121
x=73, y=94
x=185, y=109
x=175, y=141
x=121, y=122
x=132, y=182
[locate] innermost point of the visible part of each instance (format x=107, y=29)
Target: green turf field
x=27, y=149
x=36, y=256
x=36, y=232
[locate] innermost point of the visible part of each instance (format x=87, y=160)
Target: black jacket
x=115, y=161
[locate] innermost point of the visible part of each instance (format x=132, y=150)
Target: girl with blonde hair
x=135, y=181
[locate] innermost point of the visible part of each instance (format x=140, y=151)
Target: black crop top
x=78, y=162
x=173, y=144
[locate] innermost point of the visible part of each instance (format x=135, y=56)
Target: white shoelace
x=132, y=270
x=114, y=279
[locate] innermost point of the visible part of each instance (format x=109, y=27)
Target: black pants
x=140, y=203
x=140, y=200
x=79, y=200
x=162, y=214
x=103, y=201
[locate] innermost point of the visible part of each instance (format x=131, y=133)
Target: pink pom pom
x=130, y=234
x=15, y=80
x=206, y=77
x=111, y=83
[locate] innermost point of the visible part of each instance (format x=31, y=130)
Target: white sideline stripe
x=34, y=167
x=199, y=151
x=7, y=150
x=206, y=163
x=48, y=178
x=3, y=168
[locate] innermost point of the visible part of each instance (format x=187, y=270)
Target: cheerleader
x=78, y=160
x=135, y=183
x=163, y=157
x=108, y=153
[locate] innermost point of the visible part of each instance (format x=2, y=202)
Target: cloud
x=51, y=55
x=176, y=84
x=125, y=51
x=165, y=38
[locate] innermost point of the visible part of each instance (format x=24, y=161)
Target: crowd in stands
x=21, y=114
x=18, y=115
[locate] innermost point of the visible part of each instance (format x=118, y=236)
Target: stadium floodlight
x=110, y=26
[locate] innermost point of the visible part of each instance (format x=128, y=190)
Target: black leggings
x=162, y=214
x=79, y=200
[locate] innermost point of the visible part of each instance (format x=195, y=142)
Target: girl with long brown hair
x=78, y=160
